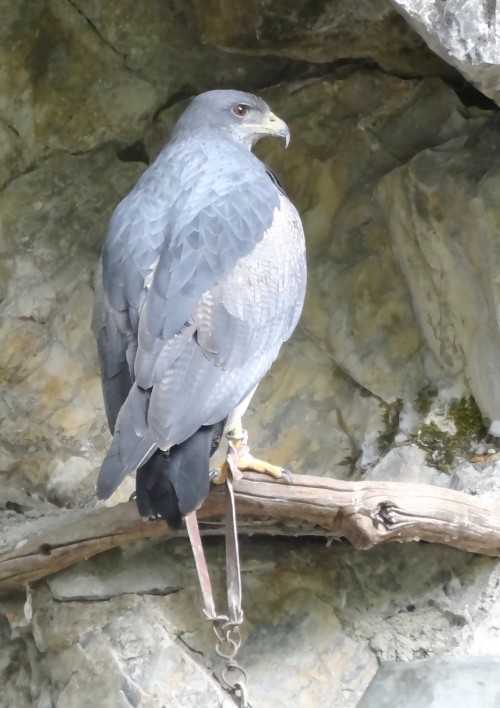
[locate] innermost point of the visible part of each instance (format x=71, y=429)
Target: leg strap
x=226, y=627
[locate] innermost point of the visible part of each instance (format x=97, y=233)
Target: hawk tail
x=174, y=483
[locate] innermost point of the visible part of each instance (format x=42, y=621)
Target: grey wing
x=221, y=221
x=232, y=336
x=116, y=348
x=135, y=235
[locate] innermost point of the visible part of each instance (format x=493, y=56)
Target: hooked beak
x=272, y=125
x=278, y=127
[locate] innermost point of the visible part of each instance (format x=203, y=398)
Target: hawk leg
x=239, y=459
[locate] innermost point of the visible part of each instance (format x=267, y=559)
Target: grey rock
x=50, y=389
x=406, y=463
x=321, y=32
x=448, y=252
x=80, y=74
x=62, y=87
x=305, y=640
x=167, y=46
x=163, y=676
x=478, y=478
x=307, y=605
x=22, y=675
x=317, y=620
x=463, y=33
x=120, y=652
x=144, y=572
x=439, y=683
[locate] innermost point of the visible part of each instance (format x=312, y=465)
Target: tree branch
x=366, y=513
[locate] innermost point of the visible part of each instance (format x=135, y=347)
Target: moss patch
x=441, y=447
x=423, y=402
x=468, y=419
x=391, y=425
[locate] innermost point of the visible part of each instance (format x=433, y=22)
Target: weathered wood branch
x=366, y=513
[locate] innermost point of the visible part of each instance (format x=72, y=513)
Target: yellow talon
x=249, y=463
x=239, y=458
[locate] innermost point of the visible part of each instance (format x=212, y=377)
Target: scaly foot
x=240, y=460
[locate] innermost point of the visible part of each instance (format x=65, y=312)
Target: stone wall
x=393, y=165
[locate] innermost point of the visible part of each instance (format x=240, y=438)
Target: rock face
x=321, y=32
x=397, y=183
x=436, y=684
x=463, y=33
x=318, y=621
x=51, y=233
x=443, y=219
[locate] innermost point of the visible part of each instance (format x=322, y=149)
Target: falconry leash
x=226, y=627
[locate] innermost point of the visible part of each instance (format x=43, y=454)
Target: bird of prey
x=201, y=280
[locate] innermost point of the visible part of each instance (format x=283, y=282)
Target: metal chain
x=233, y=676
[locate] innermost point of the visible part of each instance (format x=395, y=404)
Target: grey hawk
x=202, y=278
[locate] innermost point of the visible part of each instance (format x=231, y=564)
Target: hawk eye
x=240, y=110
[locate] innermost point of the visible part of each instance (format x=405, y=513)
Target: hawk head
x=242, y=116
